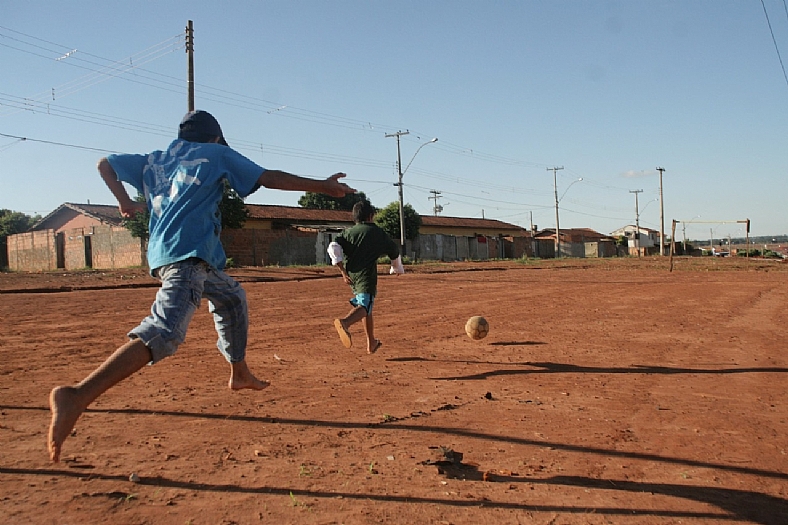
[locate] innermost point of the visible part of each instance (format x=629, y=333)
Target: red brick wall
x=114, y=247
x=32, y=251
x=247, y=247
x=110, y=247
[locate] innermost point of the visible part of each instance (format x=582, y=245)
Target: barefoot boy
x=361, y=245
x=183, y=186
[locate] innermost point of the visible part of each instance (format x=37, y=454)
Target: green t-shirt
x=363, y=244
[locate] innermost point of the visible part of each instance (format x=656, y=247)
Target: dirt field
x=608, y=391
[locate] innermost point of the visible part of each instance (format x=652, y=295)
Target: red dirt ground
x=608, y=391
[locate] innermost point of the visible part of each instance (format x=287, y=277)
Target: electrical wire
x=768, y=22
x=119, y=69
x=75, y=146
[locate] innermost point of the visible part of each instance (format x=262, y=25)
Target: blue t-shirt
x=183, y=187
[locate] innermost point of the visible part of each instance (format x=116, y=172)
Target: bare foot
x=251, y=383
x=243, y=378
x=65, y=412
x=375, y=346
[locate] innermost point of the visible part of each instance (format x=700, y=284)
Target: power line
x=106, y=70
x=76, y=146
x=120, y=70
x=780, y=58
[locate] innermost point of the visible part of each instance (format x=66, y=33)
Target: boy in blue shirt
x=183, y=186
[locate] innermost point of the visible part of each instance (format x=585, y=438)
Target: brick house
x=75, y=236
x=575, y=242
x=78, y=236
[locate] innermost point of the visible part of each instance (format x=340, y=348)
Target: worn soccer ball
x=477, y=327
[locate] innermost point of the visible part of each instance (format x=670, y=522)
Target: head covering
x=200, y=126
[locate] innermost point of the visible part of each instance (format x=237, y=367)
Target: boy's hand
x=397, y=267
x=347, y=279
x=132, y=208
x=334, y=188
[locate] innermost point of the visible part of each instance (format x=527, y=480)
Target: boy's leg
x=227, y=303
x=342, y=325
x=369, y=329
x=67, y=403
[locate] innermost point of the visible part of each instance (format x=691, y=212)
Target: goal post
x=746, y=222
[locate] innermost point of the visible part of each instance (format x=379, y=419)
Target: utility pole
x=557, y=225
x=190, y=57
x=399, y=183
x=435, y=208
x=661, y=216
x=637, y=220
x=684, y=234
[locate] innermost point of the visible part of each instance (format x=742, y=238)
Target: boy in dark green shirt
x=355, y=252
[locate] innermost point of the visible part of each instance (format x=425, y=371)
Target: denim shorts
x=183, y=285
x=364, y=299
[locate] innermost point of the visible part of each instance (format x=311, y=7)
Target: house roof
x=103, y=213
x=469, y=223
x=109, y=214
x=292, y=213
x=305, y=215
x=572, y=233
x=633, y=227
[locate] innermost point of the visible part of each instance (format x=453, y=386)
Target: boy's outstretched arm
x=128, y=207
x=281, y=180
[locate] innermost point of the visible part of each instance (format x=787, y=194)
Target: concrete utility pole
x=190, y=56
x=557, y=225
x=435, y=196
x=661, y=216
x=399, y=183
x=637, y=220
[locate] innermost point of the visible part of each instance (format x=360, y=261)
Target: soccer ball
x=477, y=327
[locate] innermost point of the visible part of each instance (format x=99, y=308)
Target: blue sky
x=607, y=90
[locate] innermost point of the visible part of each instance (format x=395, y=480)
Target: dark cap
x=200, y=126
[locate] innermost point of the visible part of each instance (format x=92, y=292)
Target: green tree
x=138, y=225
x=234, y=214
x=234, y=211
x=12, y=222
x=388, y=220
x=318, y=201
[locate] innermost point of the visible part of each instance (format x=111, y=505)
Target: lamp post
x=684, y=231
x=401, y=172
x=567, y=188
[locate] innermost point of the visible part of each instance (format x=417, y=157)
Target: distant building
x=75, y=236
x=575, y=242
x=644, y=239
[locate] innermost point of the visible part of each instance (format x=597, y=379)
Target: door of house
x=60, y=250
x=88, y=251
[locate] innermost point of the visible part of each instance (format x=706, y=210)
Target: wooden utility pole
x=661, y=217
x=190, y=58
x=557, y=225
x=397, y=135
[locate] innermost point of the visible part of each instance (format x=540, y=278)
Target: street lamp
x=684, y=231
x=401, y=172
x=567, y=188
